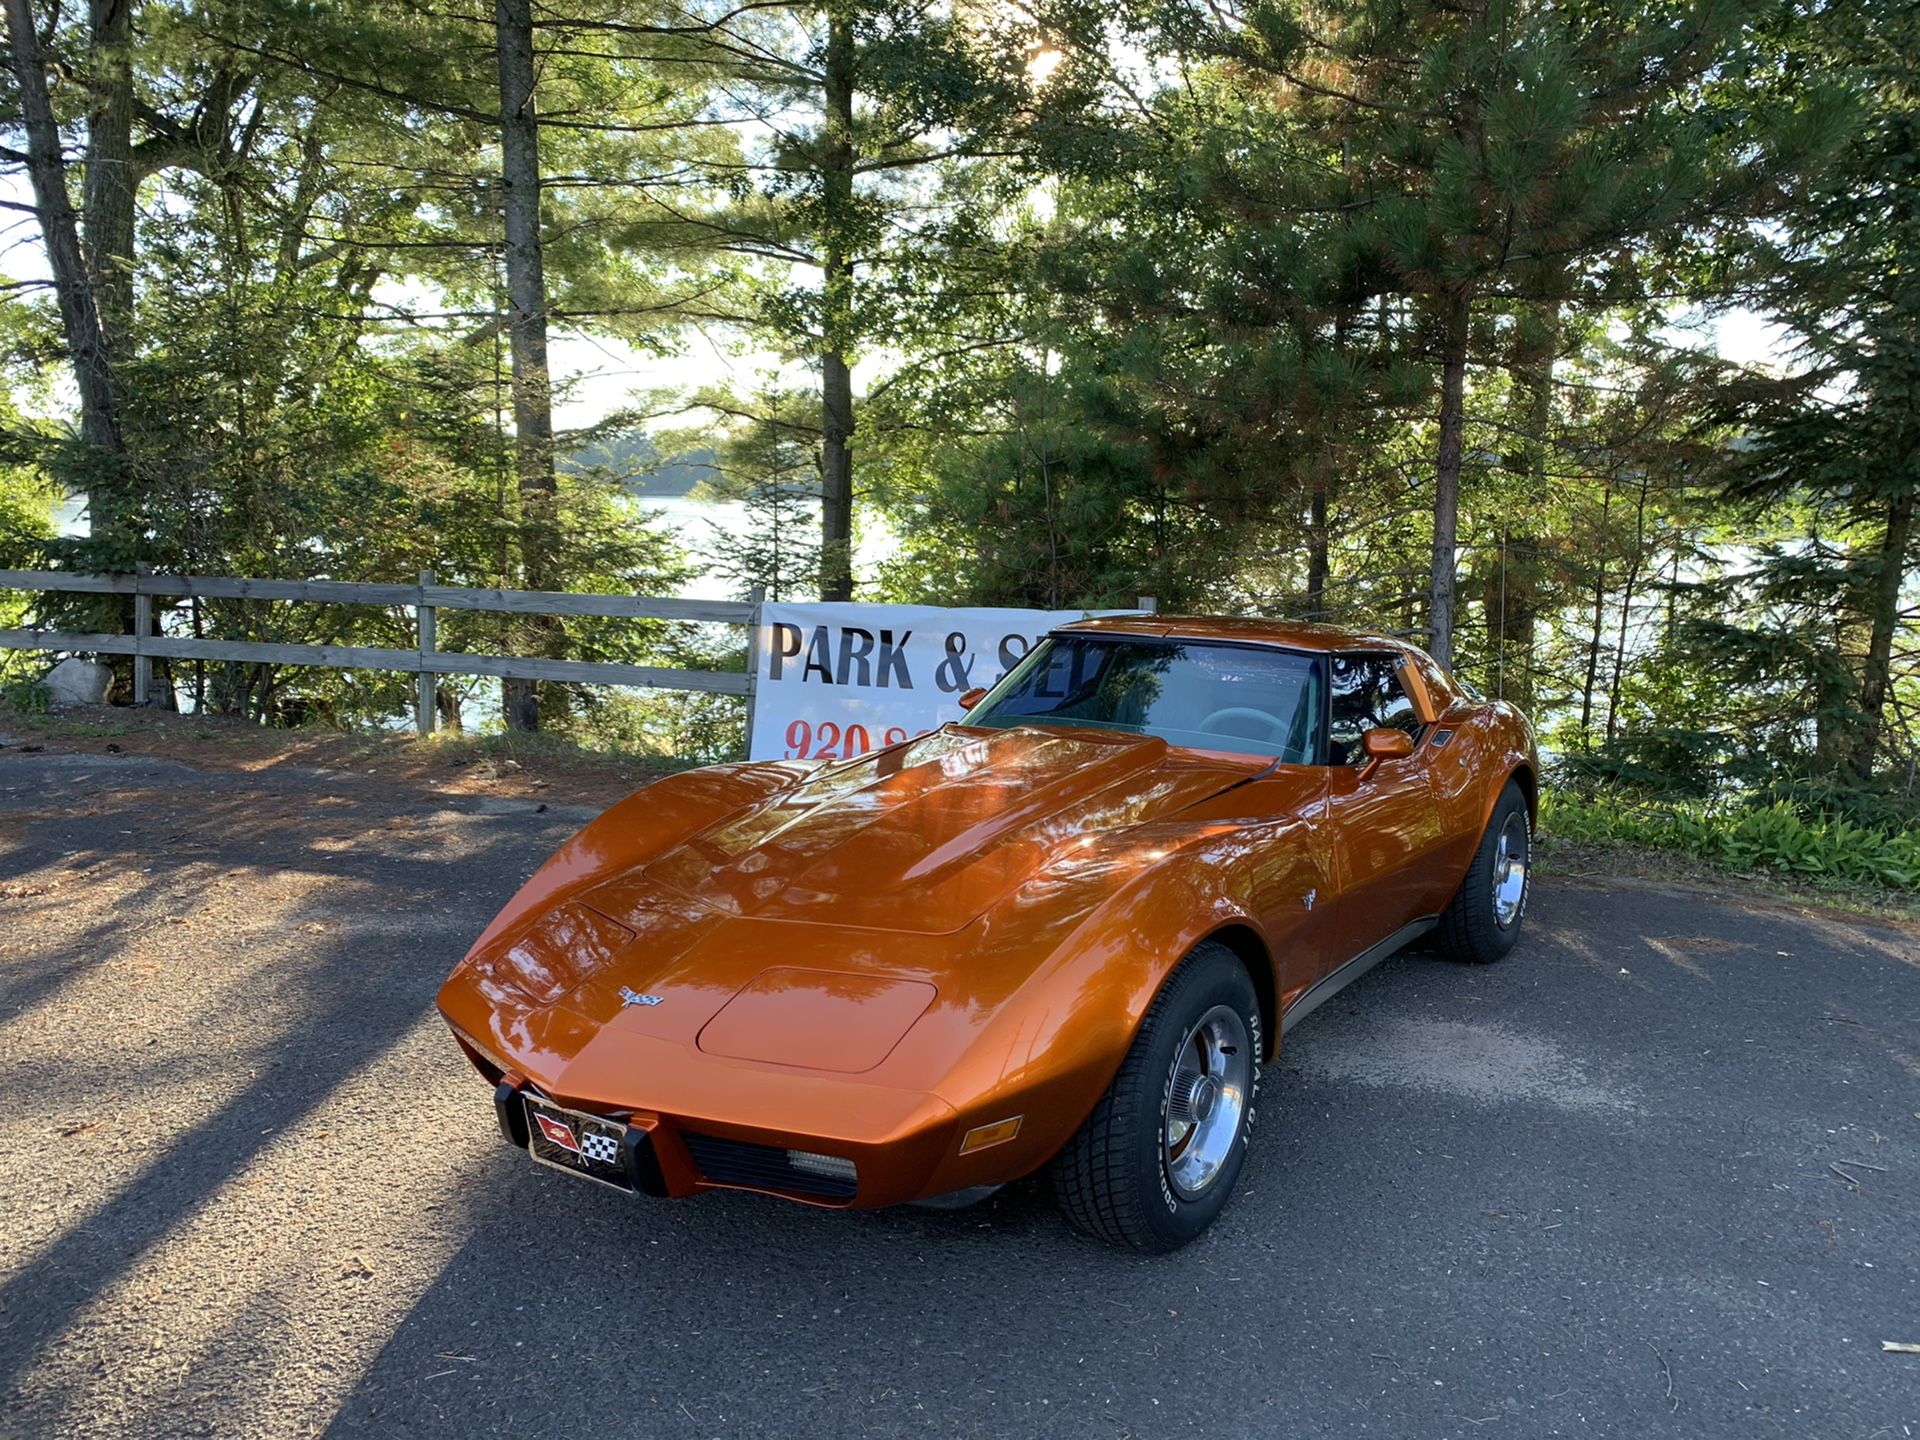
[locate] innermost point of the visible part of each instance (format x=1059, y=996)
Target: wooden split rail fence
x=425, y=662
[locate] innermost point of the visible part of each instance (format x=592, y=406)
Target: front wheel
x=1482, y=922
x=1158, y=1158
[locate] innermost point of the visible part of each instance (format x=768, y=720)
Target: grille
x=762, y=1167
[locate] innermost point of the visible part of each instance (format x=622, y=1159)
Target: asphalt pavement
x=1656, y=1174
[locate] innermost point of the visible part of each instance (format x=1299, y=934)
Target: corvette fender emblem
x=629, y=997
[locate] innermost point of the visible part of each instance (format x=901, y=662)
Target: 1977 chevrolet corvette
x=1065, y=931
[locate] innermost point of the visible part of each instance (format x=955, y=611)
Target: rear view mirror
x=973, y=697
x=1384, y=743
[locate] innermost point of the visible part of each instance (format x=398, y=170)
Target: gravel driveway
x=1657, y=1174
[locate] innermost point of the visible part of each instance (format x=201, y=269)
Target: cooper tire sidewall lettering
x=1215, y=1198
x=1253, y=1093
x=1167, y=1197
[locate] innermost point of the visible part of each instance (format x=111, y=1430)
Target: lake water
x=696, y=522
x=69, y=517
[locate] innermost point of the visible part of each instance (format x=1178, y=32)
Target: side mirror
x=1383, y=743
x=973, y=697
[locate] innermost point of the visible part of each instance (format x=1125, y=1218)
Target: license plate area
x=583, y=1145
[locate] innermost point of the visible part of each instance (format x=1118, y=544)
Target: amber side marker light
x=998, y=1133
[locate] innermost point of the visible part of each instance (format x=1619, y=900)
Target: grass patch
x=56, y=727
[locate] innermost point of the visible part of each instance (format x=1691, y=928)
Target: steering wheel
x=1279, y=731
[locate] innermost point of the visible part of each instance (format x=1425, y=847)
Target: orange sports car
x=1064, y=931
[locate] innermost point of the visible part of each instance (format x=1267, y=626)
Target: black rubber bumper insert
x=511, y=1114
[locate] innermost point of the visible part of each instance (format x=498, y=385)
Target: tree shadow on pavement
x=290, y=1010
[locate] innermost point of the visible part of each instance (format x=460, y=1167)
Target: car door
x=1383, y=821
x=1292, y=874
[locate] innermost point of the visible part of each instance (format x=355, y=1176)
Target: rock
x=78, y=682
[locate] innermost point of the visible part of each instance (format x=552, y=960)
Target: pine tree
x=767, y=467
x=1518, y=154
x=857, y=124
x=1843, y=429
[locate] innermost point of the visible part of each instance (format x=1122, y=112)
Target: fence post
x=425, y=682
x=142, y=622
x=755, y=597
x=1149, y=604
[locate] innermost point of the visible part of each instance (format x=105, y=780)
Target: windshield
x=1246, y=699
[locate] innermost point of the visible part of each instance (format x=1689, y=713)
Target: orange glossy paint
x=876, y=958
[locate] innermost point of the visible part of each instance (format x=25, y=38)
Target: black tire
x=1475, y=926
x=1113, y=1178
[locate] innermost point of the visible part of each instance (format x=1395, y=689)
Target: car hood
x=925, y=838
x=814, y=927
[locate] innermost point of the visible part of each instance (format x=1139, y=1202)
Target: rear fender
x=1486, y=745
x=1511, y=756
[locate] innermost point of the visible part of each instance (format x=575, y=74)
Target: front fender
x=1116, y=919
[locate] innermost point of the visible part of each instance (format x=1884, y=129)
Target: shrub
x=26, y=697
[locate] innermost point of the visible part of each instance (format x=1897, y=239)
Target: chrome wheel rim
x=1206, y=1100
x=1510, y=858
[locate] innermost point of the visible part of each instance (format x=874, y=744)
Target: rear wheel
x=1159, y=1156
x=1482, y=922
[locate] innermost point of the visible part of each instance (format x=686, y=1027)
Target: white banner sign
x=838, y=680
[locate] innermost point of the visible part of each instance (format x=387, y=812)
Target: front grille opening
x=769, y=1167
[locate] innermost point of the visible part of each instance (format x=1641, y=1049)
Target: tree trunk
x=1517, y=613
x=1317, y=538
x=836, y=380
x=1326, y=471
x=1634, y=562
x=1599, y=617
x=526, y=330
x=109, y=192
x=1446, y=474
x=1886, y=619
x=79, y=316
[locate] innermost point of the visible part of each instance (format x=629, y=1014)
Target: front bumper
x=672, y=1157
x=638, y=1158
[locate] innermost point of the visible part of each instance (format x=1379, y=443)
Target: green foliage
x=1778, y=837
x=679, y=727
x=26, y=697
x=27, y=500
x=1178, y=319
x=1840, y=437
x=673, y=725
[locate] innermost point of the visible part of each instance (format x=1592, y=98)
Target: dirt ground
x=508, y=766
